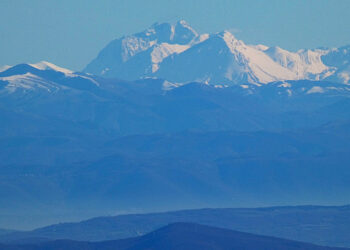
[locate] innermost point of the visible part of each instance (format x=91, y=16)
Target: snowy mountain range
x=165, y=49
x=180, y=55
x=49, y=79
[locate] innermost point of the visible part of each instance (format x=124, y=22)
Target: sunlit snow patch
x=315, y=89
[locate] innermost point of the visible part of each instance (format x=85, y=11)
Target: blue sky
x=70, y=33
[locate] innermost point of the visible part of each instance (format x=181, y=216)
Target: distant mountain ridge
x=321, y=225
x=44, y=90
x=61, y=128
x=165, y=49
x=179, y=236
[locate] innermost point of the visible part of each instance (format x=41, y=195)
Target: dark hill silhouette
x=180, y=236
x=327, y=226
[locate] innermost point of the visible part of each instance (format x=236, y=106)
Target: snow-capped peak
x=231, y=41
x=176, y=33
x=29, y=82
x=43, y=65
x=44, y=76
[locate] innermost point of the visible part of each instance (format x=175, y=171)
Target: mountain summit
x=165, y=49
x=140, y=54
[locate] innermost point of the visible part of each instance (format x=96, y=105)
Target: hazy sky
x=70, y=33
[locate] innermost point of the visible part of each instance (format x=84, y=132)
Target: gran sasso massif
x=176, y=52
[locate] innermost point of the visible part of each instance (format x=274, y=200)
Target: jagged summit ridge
x=139, y=55
x=178, y=53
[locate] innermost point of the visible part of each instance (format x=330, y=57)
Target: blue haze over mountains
x=172, y=119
